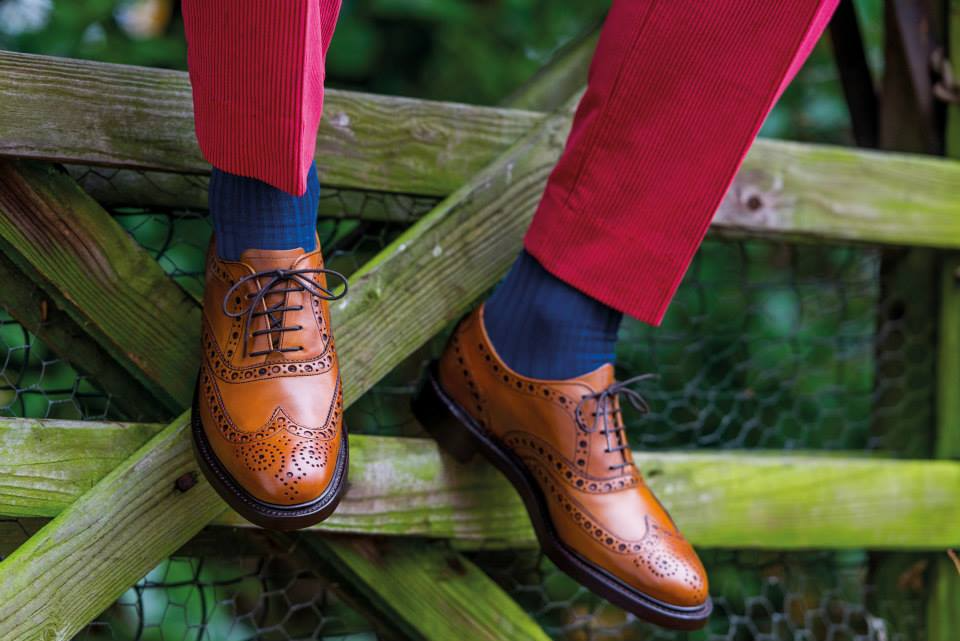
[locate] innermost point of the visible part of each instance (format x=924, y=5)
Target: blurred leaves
x=92, y=29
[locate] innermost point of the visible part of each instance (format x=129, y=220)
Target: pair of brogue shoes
x=269, y=434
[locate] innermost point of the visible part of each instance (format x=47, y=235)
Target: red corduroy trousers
x=678, y=90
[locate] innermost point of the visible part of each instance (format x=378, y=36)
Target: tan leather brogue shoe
x=267, y=413
x=563, y=446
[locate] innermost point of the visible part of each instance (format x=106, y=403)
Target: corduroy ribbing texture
x=257, y=70
x=677, y=93
x=544, y=328
x=250, y=214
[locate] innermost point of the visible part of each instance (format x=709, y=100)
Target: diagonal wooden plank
x=94, y=271
x=414, y=287
x=427, y=591
x=405, y=487
x=39, y=315
x=79, y=563
x=142, y=118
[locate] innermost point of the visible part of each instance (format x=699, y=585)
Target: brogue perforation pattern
x=476, y=398
x=520, y=384
x=656, y=552
x=534, y=450
x=230, y=374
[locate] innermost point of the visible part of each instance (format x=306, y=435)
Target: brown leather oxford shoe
x=563, y=446
x=267, y=413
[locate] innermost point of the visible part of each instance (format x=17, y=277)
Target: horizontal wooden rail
x=453, y=255
x=94, y=113
x=404, y=486
x=140, y=118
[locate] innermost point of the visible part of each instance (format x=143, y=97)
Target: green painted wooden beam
x=427, y=591
x=63, y=241
x=405, y=487
x=139, y=118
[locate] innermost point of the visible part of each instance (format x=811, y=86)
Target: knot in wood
x=185, y=481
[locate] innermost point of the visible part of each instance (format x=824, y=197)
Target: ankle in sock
x=544, y=328
x=250, y=214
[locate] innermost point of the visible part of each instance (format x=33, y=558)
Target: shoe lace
x=608, y=415
x=296, y=280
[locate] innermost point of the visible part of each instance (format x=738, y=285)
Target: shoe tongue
x=265, y=259
x=599, y=379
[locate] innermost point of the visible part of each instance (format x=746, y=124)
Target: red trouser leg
x=678, y=90
x=257, y=69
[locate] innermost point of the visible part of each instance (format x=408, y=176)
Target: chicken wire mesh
x=768, y=345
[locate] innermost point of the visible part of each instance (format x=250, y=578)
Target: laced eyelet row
x=537, y=452
x=226, y=372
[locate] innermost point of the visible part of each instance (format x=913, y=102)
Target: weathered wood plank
x=142, y=118
x=791, y=189
x=943, y=602
x=459, y=249
x=79, y=563
x=46, y=465
x=434, y=272
x=428, y=592
x=93, y=270
x=559, y=79
x=797, y=190
x=947, y=442
x=39, y=315
x=788, y=190
x=404, y=486
x=114, y=187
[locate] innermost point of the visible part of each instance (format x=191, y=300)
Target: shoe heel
x=440, y=422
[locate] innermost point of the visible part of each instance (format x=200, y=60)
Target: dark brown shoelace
x=607, y=412
x=271, y=278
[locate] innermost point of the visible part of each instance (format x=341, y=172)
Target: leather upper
x=274, y=419
x=598, y=502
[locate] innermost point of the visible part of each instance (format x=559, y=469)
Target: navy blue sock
x=544, y=328
x=250, y=214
